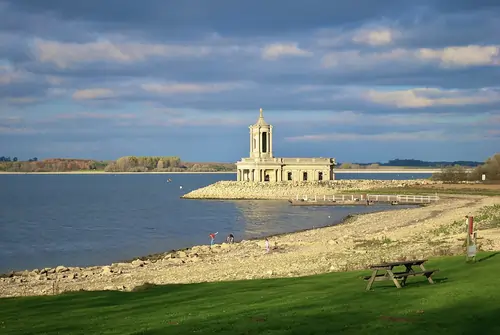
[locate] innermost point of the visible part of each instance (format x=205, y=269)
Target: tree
x=160, y=165
x=452, y=174
x=491, y=168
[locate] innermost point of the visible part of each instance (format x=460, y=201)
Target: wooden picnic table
x=389, y=274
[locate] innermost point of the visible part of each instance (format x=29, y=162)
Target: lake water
x=82, y=220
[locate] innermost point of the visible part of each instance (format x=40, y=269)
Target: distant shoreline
x=397, y=171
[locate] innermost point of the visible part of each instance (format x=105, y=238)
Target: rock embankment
x=363, y=240
x=235, y=190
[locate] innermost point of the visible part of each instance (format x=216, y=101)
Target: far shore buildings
x=263, y=166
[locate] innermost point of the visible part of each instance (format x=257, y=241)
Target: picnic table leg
x=409, y=270
x=391, y=275
x=371, y=280
x=427, y=275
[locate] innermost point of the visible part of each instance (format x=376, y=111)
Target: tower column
x=259, y=144
x=251, y=143
x=271, y=142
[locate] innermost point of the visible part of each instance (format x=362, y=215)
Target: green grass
x=465, y=299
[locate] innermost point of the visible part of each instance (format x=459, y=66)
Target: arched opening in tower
x=264, y=142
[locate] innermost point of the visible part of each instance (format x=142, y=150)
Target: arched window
x=264, y=142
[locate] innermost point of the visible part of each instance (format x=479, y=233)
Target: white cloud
x=400, y=119
x=190, y=88
x=462, y=56
x=66, y=54
x=428, y=97
x=380, y=34
x=93, y=93
x=449, y=57
x=54, y=80
x=355, y=59
x=382, y=137
x=94, y=115
x=375, y=37
x=278, y=50
x=9, y=75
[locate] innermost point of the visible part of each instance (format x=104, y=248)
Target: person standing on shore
x=267, y=245
x=230, y=239
x=212, y=238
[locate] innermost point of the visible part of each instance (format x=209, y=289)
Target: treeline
x=15, y=159
x=51, y=165
x=164, y=164
x=490, y=168
x=408, y=163
x=122, y=164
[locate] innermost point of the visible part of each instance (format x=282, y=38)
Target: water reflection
x=263, y=217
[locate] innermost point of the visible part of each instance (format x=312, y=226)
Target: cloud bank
x=360, y=81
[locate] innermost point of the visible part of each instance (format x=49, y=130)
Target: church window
x=264, y=142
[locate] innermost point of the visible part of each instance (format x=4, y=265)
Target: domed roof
x=260, y=121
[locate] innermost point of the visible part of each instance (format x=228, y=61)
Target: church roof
x=260, y=121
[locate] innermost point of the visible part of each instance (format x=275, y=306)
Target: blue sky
x=356, y=80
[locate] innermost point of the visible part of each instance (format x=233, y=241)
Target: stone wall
x=289, y=190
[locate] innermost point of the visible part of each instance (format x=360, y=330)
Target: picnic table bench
x=389, y=274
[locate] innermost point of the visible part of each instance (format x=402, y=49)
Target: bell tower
x=261, y=139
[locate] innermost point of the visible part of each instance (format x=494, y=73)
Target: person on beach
x=230, y=238
x=267, y=245
x=212, y=238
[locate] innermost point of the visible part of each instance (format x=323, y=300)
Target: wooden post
x=471, y=240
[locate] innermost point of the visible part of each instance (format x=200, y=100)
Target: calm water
x=80, y=220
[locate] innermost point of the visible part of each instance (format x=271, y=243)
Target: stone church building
x=263, y=166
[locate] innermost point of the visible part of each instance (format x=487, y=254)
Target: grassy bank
x=463, y=300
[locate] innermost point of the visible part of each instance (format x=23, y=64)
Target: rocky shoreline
x=361, y=240
x=237, y=190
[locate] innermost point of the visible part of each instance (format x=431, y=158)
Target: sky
x=357, y=80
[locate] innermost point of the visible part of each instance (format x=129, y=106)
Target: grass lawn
x=465, y=299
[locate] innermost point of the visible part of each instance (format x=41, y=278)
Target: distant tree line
x=451, y=170
x=456, y=173
x=122, y=164
x=407, y=163
x=51, y=165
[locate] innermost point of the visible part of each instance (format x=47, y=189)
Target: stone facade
x=263, y=166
